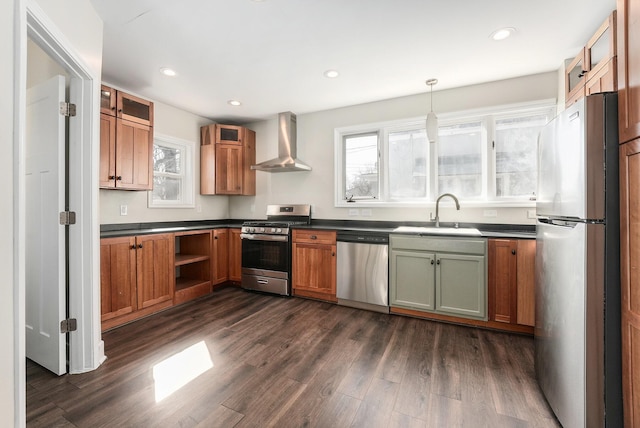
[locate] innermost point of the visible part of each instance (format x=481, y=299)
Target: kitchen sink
x=458, y=231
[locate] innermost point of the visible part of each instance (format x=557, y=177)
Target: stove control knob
x=261, y=229
x=250, y=229
x=272, y=230
x=279, y=230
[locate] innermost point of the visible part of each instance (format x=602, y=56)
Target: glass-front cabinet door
x=107, y=100
x=135, y=109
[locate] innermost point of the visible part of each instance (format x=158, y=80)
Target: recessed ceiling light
x=234, y=103
x=331, y=74
x=502, y=33
x=168, y=72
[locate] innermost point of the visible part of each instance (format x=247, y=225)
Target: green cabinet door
x=460, y=285
x=412, y=280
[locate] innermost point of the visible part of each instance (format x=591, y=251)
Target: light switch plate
x=491, y=213
x=354, y=211
x=366, y=212
x=531, y=213
x=123, y=210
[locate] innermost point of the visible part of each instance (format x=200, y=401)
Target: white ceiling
x=271, y=54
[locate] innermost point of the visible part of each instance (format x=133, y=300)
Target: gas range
x=266, y=250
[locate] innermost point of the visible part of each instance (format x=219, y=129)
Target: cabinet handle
x=582, y=73
x=112, y=177
x=333, y=254
x=313, y=237
x=432, y=261
x=139, y=245
x=513, y=252
x=119, y=178
x=133, y=247
x=215, y=237
x=438, y=262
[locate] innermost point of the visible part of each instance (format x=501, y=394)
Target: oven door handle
x=257, y=237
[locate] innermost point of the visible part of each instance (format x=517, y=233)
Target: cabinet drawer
x=314, y=236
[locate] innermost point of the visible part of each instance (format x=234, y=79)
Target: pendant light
x=432, y=119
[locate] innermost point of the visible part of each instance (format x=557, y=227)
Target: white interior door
x=45, y=238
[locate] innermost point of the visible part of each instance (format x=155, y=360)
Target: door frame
x=86, y=349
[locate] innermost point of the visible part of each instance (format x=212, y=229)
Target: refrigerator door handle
x=559, y=222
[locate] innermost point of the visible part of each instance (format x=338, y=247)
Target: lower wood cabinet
x=630, y=273
x=220, y=256
x=314, y=264
x=117, y=277
x=235, y=255
x=136, y=277
x=511, y=282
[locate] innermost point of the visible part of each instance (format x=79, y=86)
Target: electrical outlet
x=198, y=208
x=354, y=212
x=491, y=213
x=531, y=213
x=366, y=212
x=123, y=210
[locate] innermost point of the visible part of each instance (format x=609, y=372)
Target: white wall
x=180, y=124
x=316, y=148
x=8, y=372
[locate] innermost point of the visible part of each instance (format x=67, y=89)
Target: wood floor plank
x=377, y=405
x=415, y=388
x=292, y=362
x=448, y=363
x=363, y=369
x=393, y=363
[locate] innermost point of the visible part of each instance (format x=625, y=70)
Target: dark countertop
x=126, y=229
x=487, y=230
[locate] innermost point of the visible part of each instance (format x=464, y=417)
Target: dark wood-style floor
x=290, y=362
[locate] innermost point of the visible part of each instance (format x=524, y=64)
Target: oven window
x=266, y=255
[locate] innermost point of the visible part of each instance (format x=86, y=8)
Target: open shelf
x=183, y=259
x=192, y=265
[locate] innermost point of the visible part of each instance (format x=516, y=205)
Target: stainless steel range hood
x=287, y=139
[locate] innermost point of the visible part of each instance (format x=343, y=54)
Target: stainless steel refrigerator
x=577, y=331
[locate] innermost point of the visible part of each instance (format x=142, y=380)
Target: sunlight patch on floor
x=178, y=370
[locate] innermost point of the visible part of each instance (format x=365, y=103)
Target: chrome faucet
x=437, y=219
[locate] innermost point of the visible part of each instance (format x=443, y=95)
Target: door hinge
x=68, y=325
x=67, y=218
x=67, y=109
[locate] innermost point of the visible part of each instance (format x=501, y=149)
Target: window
x=361, y=166
x=516, y=145
x=487, y=157
x=172, y=173
x=408, y=160
x=460, y=159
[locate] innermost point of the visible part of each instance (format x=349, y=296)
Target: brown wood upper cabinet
x=628, y=69
x=594, y=69
x=511, y=281
x=126, y=141
x=226, y=155
x=125, y=106
x=314, y=264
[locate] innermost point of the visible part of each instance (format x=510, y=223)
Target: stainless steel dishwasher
x=363, y=270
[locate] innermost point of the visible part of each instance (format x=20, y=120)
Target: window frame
x=187, y=176
x=487, y=116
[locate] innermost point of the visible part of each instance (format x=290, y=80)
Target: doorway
x=46, y=154
x=85, y=346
